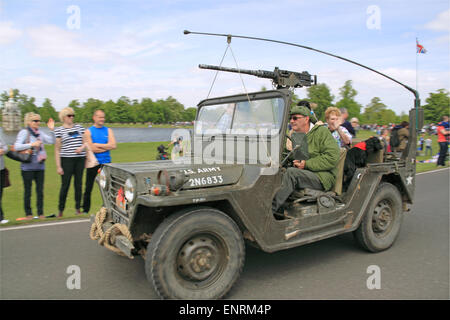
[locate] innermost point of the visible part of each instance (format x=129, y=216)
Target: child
x=428, y=142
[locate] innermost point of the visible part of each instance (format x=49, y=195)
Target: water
x=121, y=134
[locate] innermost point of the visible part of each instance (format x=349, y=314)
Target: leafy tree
x=377, y=112
x=75, y=105
x=438, y=105
x=47, y=111
x=189, y=114
x=348, y=93
x=321, y=95
x=89, y=107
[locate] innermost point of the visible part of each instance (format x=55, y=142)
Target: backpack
x=395, y=140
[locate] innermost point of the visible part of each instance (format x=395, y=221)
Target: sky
x=66, y=50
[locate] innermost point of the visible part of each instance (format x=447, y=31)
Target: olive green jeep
x=190, y=217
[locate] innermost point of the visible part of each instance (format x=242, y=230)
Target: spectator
x=428, y=143
x=355, y=125
x=421, y=142
x=443, y=135
x=3, y=150
x=339, y=133
x=346, y=124
x=385, y=139
x=31, y=138
x=70, y=158
x=100, y=140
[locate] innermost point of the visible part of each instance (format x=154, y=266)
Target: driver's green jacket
x=323, y=155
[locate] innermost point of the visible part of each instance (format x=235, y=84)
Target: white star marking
x=409, y=180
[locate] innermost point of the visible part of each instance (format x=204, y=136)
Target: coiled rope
x=107, y=239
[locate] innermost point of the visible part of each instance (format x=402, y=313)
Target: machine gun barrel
x=256, y=73
x=282, y=78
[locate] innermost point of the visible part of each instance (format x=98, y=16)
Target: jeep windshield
x=241, y=117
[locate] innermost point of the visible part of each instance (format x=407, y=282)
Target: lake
x=121, y=134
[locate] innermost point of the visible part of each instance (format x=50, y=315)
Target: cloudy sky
x=65, y=50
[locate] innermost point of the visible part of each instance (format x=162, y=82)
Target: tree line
x=376, y=112
x=125, y=110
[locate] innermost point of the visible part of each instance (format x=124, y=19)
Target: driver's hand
x=299, y=164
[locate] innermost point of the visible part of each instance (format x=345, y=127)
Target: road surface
x=40, y=261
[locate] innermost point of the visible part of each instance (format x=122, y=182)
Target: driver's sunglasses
x=295, y=118
x=36, y=120
x=70, y=115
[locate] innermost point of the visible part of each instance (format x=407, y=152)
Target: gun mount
x=280, y=78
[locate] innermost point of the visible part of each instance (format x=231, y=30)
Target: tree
x=88, y=109
x=75, y=105
x=347, y=93
x=377, y=112
x=438, y=105
x=47, y=111
x=321, y=95
x=189, y=114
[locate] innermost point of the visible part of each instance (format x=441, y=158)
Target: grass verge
x=12, y=201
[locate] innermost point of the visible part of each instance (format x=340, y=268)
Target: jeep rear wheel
x=381, y=223
x=198, y=254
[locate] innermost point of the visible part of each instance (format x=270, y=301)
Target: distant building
x=11, y=114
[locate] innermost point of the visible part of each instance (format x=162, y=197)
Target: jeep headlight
x=130, y=189
x=102, y=179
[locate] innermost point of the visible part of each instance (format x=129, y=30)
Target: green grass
x=420, y=167
x=12, y=201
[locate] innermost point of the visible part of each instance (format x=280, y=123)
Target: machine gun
x=280, y=78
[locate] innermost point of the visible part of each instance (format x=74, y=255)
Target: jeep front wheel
x=198, y=254
x=381, y=223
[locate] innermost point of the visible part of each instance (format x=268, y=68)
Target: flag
x=420, y=48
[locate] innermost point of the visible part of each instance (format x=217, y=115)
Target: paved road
x=34, y=262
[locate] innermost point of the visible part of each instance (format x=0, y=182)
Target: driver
x=316, y=166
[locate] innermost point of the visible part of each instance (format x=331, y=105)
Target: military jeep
x=190, y=218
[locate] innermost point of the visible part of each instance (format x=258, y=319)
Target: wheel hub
x=198, y=258
x=382, y=217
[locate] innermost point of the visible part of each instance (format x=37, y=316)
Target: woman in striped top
x=70, y=157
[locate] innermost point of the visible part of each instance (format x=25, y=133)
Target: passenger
x=403, y=136
x=339, y=133
x=385, y=139
x=320, y=153
x=346, y=123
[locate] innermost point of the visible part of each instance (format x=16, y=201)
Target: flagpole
x=417, y=87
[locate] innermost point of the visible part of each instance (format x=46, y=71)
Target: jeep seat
x=340, y=174
x=308, y=194
x=377, y=156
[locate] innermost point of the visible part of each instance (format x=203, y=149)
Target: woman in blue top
x=31, y=138
x=100, y=140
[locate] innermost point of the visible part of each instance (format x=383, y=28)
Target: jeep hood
x=196, y=175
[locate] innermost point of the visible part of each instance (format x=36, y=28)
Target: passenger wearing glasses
x=31, y=138
x=70, y=158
